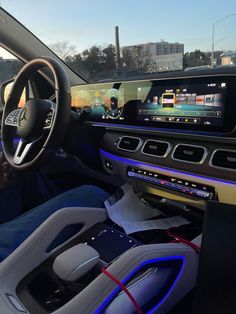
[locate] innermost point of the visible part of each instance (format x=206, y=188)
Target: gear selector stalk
x=75, y=262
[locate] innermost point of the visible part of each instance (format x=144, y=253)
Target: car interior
x=163, y=149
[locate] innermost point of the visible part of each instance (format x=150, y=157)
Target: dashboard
x=174, y=136
x=196, y=103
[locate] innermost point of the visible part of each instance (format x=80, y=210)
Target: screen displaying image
x=104, y=102
x=193, y=104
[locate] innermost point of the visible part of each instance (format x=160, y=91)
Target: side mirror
x=5, y=89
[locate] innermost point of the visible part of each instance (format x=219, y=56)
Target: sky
x=84, y=23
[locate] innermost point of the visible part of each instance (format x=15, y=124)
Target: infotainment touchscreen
x=190, y=103
x=199, y=104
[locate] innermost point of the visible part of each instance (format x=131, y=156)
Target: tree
x=99, y=62
x=92, y=59
x=63, y=49
x=127, y=59
x=199, y=58
x=136, y=59
x=109, y=57
x=77, y=64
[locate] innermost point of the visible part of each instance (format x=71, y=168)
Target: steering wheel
x=41, y=124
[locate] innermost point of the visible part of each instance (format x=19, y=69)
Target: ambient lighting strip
x=170, y=171
x=102, y=307
x=124, y=289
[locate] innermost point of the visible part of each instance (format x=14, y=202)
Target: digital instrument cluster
x=191, y=103
x=105, y=102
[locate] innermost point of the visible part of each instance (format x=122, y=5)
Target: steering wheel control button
x=13, y=117
x=183, y=186
x=48, y=121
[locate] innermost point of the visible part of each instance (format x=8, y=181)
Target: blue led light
x=175, y=172
x=151, y=261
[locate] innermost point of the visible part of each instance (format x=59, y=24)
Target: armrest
x=101, y=289
x=32, y=251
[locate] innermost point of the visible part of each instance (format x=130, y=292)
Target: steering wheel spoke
x=23, y=149
x=13, y=118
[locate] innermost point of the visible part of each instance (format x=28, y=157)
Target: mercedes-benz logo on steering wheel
x=24, y=116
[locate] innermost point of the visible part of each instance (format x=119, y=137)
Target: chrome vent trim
x=204, y=156
x=221, y=167
x=157, y=141
x=130, y=150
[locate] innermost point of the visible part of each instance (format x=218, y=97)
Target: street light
x=213, y=36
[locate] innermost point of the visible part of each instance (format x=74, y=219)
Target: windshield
x=106, y=40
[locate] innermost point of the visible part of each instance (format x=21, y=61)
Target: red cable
x=122, y=287
x=184, y=241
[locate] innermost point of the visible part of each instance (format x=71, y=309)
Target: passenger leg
x=13, y=233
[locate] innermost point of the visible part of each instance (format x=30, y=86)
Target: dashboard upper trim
x=166, y=77
x=112, y=127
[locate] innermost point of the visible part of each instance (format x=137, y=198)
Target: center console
x=151, y=267
x=186, y=187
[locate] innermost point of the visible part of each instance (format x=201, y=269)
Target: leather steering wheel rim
x=50, y=139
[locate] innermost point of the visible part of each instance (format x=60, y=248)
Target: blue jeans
x=26, y=191
x=14, y=232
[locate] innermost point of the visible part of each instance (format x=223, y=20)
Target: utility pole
x=118, y=59
x=213, y=36
x=212, y=45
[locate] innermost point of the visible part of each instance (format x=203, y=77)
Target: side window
x=9, y=65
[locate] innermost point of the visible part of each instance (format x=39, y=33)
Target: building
x=228, y=58
x=165, y=48
x=166, y=62
x=156, y=56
